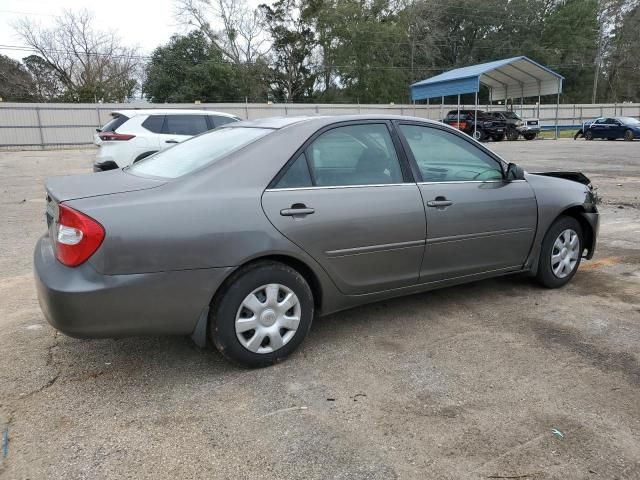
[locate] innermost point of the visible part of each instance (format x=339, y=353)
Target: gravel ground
x=464, y=382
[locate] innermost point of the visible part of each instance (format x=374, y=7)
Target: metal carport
x=509, y=78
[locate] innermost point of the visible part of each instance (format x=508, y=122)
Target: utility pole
x=601, y=16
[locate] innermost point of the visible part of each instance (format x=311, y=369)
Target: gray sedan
x=243, y=234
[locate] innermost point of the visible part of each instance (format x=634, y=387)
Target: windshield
x=197, y=152
x=629, y=120
x=512, y=115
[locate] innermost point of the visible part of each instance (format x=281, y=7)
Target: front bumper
x=81, y=302
x=529, y=129
x=593, y=218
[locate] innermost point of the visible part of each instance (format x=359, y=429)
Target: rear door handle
x=297, y=209
x=439, y=202
x=171, y=141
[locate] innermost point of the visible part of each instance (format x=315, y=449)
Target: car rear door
x=348, y=199
x=599, y=128
x=179, y=127
x=476, y=221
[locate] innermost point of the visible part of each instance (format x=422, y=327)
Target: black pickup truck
x=486, y=125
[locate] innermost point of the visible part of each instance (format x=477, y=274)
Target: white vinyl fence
x=59, y=125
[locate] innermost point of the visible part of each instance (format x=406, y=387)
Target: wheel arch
x=579, y=213
x=200, y=332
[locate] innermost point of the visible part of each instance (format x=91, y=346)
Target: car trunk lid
x=62, y=189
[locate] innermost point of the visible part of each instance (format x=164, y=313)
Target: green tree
x=293, y=45
x=190, y=68
x=16, y=84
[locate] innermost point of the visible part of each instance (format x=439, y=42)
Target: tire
x=248, y=286
x=588, y=135
x=553, y=274
x=530, y=136
x=498, y=138
x=479, y=135
x=512, y=135
x=629, y=135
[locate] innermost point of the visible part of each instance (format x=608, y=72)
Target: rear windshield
x=454, y=115
x=113, y=124
x=629, y=120
x=197, y=152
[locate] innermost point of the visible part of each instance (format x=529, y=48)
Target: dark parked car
x=612, y=128
x=529, y=128
x=482, y=128
x=243, y=234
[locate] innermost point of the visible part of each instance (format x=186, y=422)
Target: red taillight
x=105, y=136
x=77, y=236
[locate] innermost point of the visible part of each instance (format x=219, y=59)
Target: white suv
x=135, y=134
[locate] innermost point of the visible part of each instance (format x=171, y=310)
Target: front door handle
x=297, y=209
x=171, y=141
x=439, y=202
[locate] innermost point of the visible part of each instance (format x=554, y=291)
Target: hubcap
x=268, y=318
x=565, y=253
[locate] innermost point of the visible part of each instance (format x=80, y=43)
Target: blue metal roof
x=515, y=74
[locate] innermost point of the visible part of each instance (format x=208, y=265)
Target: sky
x=142, y=23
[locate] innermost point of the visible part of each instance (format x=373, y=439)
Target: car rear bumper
x=81, y=302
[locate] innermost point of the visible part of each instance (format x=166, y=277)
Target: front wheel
x=512, y=135
x=262, y=316
x=498, y=138
x=529, y=136
x=561, y=253
x=628, y=135
x=588, y=135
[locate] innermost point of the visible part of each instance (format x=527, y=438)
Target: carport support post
x=458, y=119
x=557, y=110
x=475, y=117
x=539, y=99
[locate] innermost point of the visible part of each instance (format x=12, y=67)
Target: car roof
x=320, y=121
x=165, y=111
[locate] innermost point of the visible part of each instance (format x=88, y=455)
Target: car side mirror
x=514, y=172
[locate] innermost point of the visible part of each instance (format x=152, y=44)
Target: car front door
x=349, y=201
x=477, y=221
x=617, y=129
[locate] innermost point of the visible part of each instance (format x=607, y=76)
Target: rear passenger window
x=185, y=124
x=154, y=123
x=297, y=176
x=354, y=155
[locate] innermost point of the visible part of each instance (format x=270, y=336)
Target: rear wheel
x=628, y=135
x=480, y=135
x=588, y=135
x=262, y=316
x=512, y=134
x=561, y=253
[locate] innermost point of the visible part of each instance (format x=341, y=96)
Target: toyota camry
x=240, y=236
